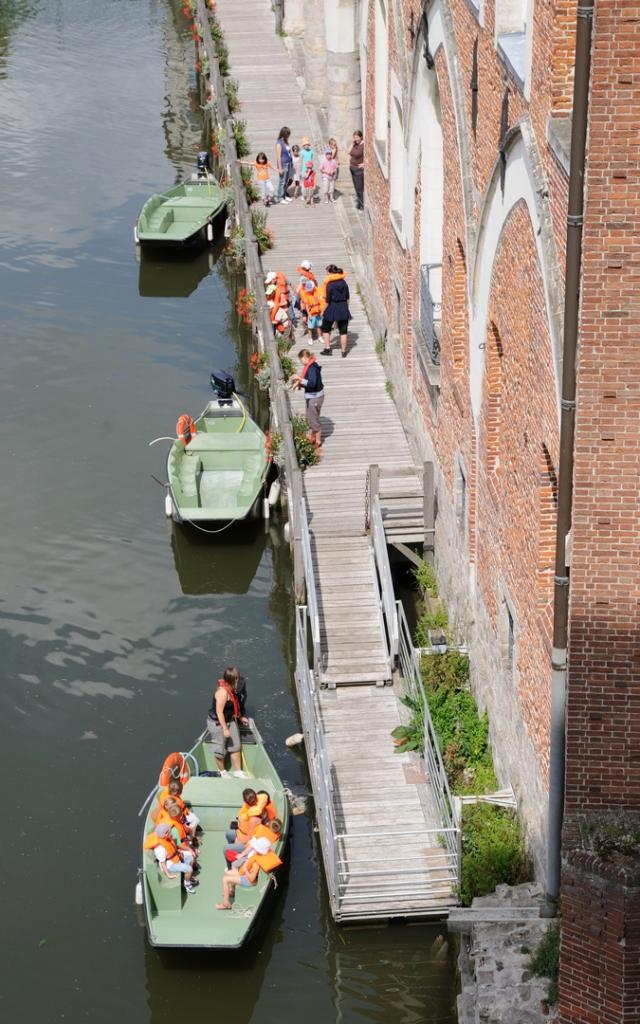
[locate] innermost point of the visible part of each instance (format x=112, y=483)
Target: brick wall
x=600, y=954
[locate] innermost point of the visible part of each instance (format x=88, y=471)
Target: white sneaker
x=241, y=775
x=287, y=200
x=224, y=774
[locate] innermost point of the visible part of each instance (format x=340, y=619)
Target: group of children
x=251, y=840
x=303, y=181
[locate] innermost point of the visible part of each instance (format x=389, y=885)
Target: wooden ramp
x=361, y=427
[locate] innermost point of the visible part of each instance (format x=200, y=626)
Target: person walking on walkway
x=356, y=166
x=284, y=164
x=328, y=170
x=310, y=380
x=336, y=295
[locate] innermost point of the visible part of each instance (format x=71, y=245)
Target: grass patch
x=545, y=962
x=388, y=387
x=238, y=128
x=493, y=851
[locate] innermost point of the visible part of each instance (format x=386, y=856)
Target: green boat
x=218, y=472
x=175, y=918
x=190, y=213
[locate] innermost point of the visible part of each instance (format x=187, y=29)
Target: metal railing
x=317, y=757
x=409, y=664
x=385, y=583
x=310, y=585
x=431, y=307
x=280, y=407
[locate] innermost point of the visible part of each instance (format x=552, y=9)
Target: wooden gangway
x=348, y=633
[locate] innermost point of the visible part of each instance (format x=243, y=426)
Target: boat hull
x=182, y=217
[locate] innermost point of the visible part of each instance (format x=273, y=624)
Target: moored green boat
x=219, y=473
x=191, y=212
x=175, y=918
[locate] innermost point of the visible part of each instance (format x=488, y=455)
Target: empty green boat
x=177, y=919
x=186, y=214
x=219, y=473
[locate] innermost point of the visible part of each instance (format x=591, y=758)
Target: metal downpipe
x=573, y=268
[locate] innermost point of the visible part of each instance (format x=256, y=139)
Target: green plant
x=235, y=249
x=287, y=366
x=247, y=180
x=545, y=962
x=223, y=59
x=448, y=671
x=425, y=576
x=231, y=92
x=434, y=620
x=463, y=738
x=239, y=133
x=379, y=343
x=306, y=451
x=493, y=851
x=264, y=236
x=388, y=386
x=411, y=736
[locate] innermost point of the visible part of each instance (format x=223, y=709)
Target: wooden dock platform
x=363, y=790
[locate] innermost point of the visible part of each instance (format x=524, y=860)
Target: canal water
x=114, y=623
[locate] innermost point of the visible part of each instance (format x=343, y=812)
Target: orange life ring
x=175, y=767
x=185, y=428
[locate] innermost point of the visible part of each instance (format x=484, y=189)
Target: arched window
x=495, y=354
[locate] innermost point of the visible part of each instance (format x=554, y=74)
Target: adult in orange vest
x=172, y=860
x=336, y=310
x=261, y=858
x=225, y=715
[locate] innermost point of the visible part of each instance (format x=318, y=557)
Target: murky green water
x=113, y=624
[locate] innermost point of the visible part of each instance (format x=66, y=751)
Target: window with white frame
x=381, y=79
x=397, y=159
x=513, y=34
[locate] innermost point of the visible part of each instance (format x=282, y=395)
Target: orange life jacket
x=327, y=281
x=246, y=828
x=265, y=861
x=163, y=795
x=164, y=818
x=246, y=811
x=152, y=840
x=264, y=832
x=312, y=301
x=270, y=811
x=308, y=274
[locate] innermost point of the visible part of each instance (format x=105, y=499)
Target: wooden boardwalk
x=361, y=427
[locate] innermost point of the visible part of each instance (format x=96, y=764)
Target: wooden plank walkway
x=361, y=427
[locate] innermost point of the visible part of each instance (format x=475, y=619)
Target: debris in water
x=295, y=740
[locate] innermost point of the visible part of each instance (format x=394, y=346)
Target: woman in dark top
x=284, y=163
x=225, y=714
x=336, y=293
x=356, y=166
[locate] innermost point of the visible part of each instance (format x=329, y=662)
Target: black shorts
x=343, y=326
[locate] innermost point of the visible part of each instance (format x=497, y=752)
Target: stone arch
x=523, y=182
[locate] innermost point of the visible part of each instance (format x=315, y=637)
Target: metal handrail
x=310, y=581
x=410, y=671
x=317, y=756
x=387, y=596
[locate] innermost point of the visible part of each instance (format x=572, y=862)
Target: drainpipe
x=565, y=473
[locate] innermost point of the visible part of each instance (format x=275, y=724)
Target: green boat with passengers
x=217, y=466
x=176, y=918
x=189, y=213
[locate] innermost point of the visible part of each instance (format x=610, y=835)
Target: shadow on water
x=165, y=275
x=217, y=565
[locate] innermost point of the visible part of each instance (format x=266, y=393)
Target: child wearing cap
x=306, y=154
x=311, y=302
x=328, y=170
x=309, y=184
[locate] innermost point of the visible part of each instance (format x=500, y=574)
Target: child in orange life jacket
x=309, y=184
x=282, y=324
x=173, y=816
x=261, y=858
x=312, y=304
x=174, y=790
x=172, y=860
x=261, y=168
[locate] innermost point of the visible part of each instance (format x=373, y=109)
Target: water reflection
x=208, y=566
x=175, y=276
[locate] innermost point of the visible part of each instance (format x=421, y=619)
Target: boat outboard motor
x=203, y=164
x=223, y=385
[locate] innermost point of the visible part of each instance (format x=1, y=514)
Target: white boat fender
x=168, y=505
x=274, y=493
x=287, y=532
x=227, y=227
x=266, y=508
x=295, y=740
x=209, y=232
x=135, y=233
x=138, y=894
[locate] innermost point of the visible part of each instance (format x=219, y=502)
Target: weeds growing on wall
x=545, y=962
x=239, y=133
x=493, y=851
x=231, y=92
x=235, y=249
x=247, y=180
x=264, y=235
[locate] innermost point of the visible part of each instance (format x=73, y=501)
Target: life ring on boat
x=185, y=428
x=175, y=768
